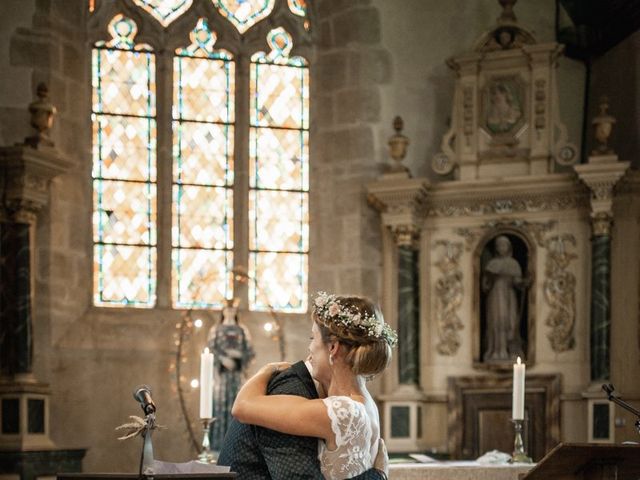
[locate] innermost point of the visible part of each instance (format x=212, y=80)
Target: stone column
x=25, y=174
x=399, y=198
x=16, y=344
x=406, y=238
x=601, y=174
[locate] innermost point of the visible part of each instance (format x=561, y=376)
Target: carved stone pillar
x=25, y=174
x=601, y=175
x=399, y=198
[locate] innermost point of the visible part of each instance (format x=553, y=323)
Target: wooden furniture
x=456, y=471
x=480, y=415
x=588, y=461
x=33, y=464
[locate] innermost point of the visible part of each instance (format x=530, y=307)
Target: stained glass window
x=165, y=11
x=299, y=7
x=244, y=13
x=124, y=170
x=214, y=178
x=279, y=177
x=203, y=133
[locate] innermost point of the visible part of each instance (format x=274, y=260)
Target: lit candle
x=206, y=384
x=518, y=390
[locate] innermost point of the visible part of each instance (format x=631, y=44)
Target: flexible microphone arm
x=609, y=388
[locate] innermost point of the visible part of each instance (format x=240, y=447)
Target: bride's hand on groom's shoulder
x=273, y=368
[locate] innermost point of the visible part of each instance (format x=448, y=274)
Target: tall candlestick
x=518, y=390
x=206, y=384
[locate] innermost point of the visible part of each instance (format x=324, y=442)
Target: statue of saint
x=232, y=351
x=503, y=283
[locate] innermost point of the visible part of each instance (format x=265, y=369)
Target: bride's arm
x=285, y=413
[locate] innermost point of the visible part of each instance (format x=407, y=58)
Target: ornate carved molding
x=540, y=100
x=406, y=235
x=559, y=292
x=537, y=230
x=449, y=292
x=601, y=175
x=601, y=223
x=489, y=205
x=27, y=172
x=400, y=201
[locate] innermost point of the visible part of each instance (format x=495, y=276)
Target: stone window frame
x=164, y=41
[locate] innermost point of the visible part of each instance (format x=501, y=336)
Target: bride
x=350, y=343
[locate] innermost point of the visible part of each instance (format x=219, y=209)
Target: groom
x=257, y=453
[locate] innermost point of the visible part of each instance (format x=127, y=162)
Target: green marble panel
x=600, y=306
x=408, y=316
x=400, y=426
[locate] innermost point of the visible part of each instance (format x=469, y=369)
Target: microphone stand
x=608, y=388
x=146, y=456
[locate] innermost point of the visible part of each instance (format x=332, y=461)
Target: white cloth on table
x=358, y=443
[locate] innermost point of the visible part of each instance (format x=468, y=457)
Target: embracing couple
x=283, y=428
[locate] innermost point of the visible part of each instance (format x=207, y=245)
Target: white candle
x=206, y=384
x=518, y=390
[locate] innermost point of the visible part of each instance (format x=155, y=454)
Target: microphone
x=143, y=395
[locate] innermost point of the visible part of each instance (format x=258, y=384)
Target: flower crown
x=328, y=308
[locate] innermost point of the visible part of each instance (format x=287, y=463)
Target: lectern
x=586, y=461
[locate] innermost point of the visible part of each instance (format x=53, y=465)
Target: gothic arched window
x=201, y=153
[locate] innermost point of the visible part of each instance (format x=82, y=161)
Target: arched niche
x=504, y=295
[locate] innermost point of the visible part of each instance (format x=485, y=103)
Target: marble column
x=400, y=200
x=601, y=175
x=408, y=309
x=15, y=299
x=26, y=171
x=600, y=305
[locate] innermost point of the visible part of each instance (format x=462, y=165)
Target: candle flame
x=206, y=351
x=519, y=361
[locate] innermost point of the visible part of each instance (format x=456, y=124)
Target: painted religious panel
x=503, y=101
x=504, y=292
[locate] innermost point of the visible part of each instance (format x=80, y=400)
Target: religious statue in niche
x=503, y=104
x=230, y=343
x=503, y=299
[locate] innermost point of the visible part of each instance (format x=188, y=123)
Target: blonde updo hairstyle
x=365, y=355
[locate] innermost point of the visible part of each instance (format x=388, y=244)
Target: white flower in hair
x=321, y=299
x=328, y=308
x=378, y=329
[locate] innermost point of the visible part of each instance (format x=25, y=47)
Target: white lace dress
x=358, y=447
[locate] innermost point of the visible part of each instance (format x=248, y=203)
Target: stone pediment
x=505, y=119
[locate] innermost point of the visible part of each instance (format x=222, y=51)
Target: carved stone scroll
x=536, y=229
x=449, y=294
x=560, y=292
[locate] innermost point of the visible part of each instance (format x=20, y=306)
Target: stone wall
x=616, y=74
x=350, y=68
x=374, y=59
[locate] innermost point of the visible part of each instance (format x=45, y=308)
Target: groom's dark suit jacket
x=257, y=453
